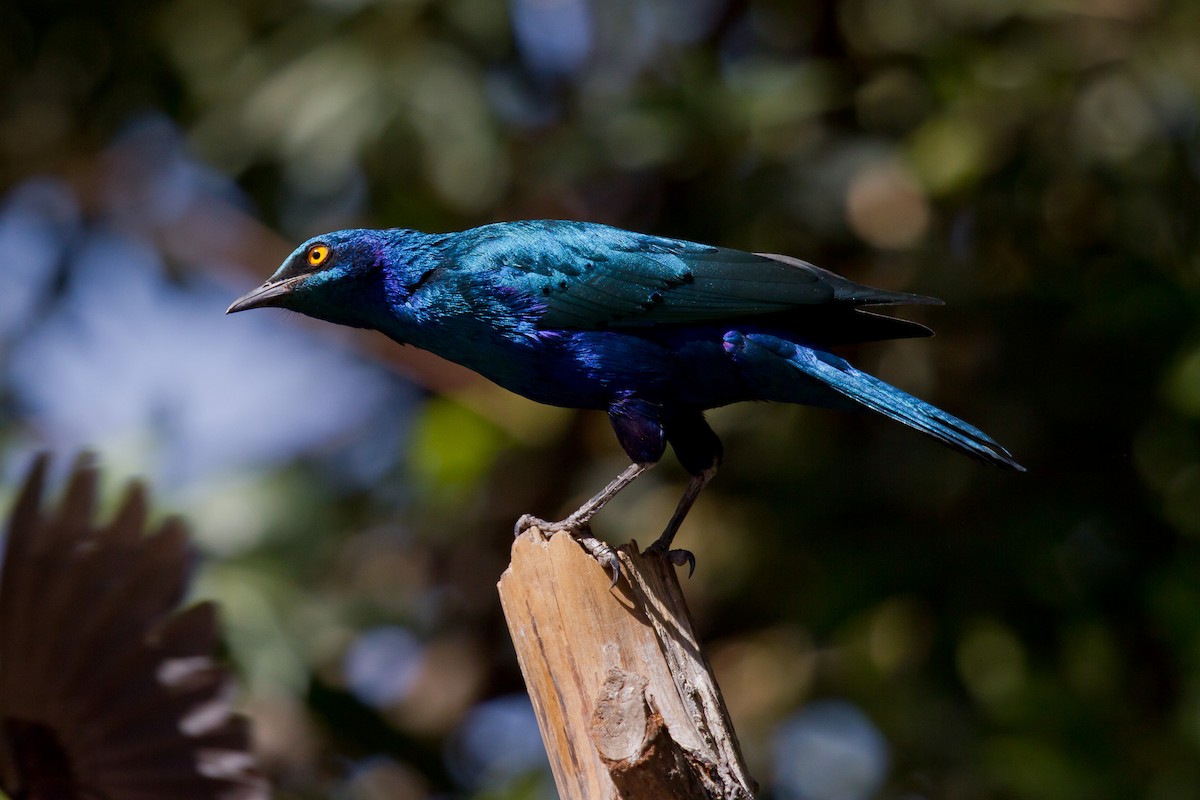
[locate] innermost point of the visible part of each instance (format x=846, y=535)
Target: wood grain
x=624, y=695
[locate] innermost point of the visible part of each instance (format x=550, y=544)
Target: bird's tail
x=764, y=356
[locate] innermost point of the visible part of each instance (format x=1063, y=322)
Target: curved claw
x=676, y=557
x=614, y=564
x=681, y=557
x=600, y=551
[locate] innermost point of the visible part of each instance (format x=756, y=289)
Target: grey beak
x=269, y=294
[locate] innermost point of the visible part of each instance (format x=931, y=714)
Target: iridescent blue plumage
x=652, y=330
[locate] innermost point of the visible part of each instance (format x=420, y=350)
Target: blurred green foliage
x=1036, y=163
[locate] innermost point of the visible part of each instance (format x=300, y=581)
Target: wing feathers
x=847, y=291
x=587, y=276
x=99, y=676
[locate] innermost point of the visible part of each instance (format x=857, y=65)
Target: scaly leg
x=577, y=524
x=663, y=545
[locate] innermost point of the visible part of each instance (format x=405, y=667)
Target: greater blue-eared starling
x=652, y=330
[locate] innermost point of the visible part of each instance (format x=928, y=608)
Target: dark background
x=887, y=618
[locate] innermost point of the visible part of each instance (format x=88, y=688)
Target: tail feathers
x=883, y=398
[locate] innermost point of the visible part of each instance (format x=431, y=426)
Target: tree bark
x=624, y=695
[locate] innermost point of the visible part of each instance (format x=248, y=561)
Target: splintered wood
x=624, y=695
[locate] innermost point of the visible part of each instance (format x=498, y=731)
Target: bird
x=652, y=330
x=107, y=688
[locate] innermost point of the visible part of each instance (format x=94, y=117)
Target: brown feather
x=106, y=689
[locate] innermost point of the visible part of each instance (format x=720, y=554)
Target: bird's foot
x=600, y=551
x=528, y=521
x=676, y=557
x=581, y=533
x=569, y=525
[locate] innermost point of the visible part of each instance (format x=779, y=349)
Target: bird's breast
x=591, y=369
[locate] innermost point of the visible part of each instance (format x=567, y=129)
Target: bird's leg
x=699, y=452
x=580, y=518
x=577, y=524
x=662, y=545
x=585, y=512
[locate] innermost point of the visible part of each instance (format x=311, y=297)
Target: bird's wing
x=588, y=276
x=124, y=692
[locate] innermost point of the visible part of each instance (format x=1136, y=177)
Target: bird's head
x=336, y=277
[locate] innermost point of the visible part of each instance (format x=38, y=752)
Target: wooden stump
x=625, y=697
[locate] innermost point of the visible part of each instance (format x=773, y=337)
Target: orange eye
x=317, y=255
